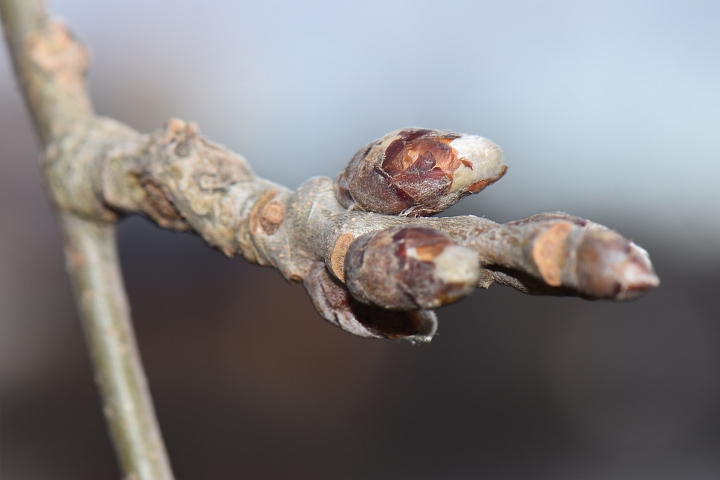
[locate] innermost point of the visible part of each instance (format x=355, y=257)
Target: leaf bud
x=410, y=267
x=611, y=266
x=417, y=172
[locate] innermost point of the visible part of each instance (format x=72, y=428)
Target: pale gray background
x=609, y=110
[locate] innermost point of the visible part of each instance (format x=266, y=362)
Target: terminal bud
x=610, y=266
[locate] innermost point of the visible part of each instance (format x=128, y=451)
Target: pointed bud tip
x=612, y=267
x=635, y=274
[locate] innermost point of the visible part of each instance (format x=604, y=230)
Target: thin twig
x=50, y=67
x=92, y=263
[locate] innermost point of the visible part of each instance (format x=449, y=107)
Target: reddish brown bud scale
x=418, y=172
x=335, y=304
x=410, y=267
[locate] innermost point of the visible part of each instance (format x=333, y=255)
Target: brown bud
x=560, y=254
x=611, y=266
x=410, y=267
x=335, y=304
x=418, y=172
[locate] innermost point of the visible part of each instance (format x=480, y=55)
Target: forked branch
x=370, y=256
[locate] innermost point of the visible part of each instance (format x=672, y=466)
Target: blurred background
x=607, y=110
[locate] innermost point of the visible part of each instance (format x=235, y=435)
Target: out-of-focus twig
x=50, y=67
x=93, y=265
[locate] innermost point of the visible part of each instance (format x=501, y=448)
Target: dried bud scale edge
x=335, y=304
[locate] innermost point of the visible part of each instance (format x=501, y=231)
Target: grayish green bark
x=50, y=68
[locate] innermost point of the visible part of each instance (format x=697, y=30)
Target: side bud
x=406, y=268
x=417, y=172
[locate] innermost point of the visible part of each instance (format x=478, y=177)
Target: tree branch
x=50, y=66
x=369, y=255
x=185, y=182
x=94, y=268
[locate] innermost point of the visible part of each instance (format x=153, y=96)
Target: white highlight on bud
x=484, y=155
x=457, y=264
